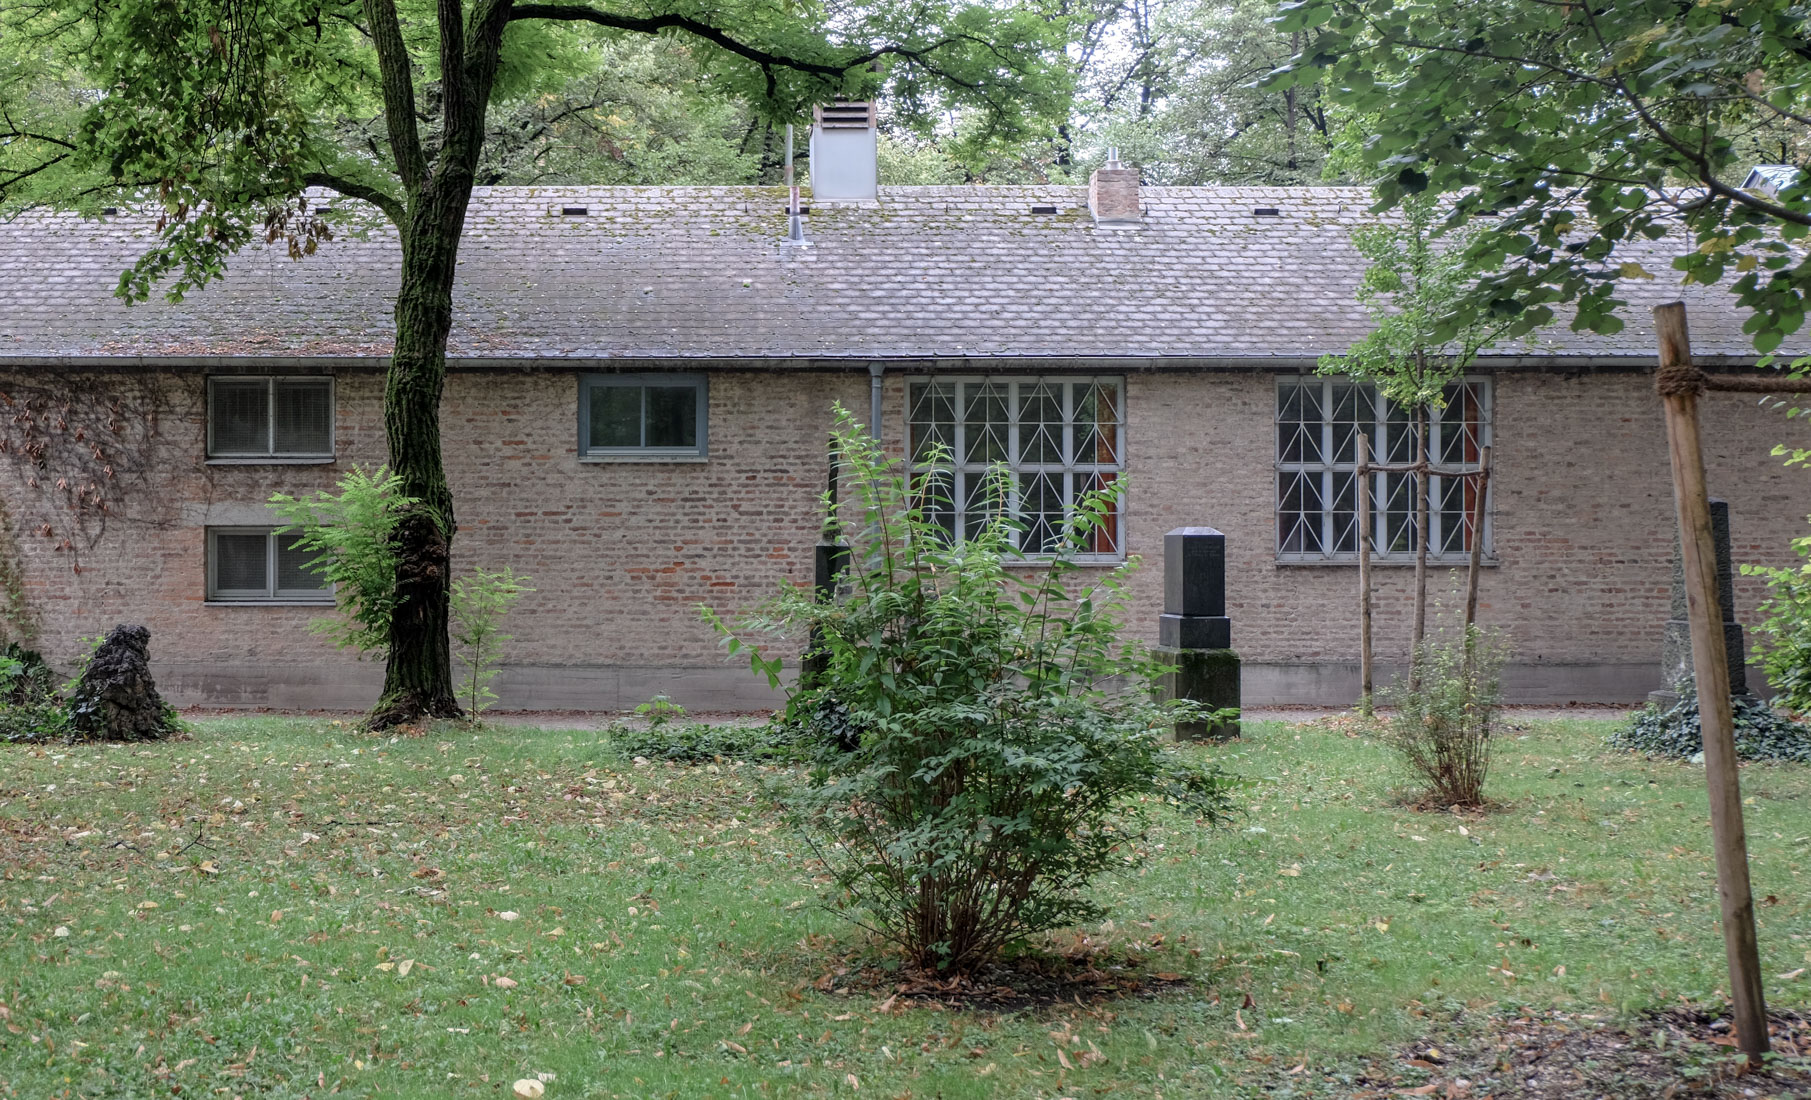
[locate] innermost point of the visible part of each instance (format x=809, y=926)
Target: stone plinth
x=1193, y=633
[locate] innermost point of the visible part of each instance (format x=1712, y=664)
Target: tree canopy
x=1577, y=130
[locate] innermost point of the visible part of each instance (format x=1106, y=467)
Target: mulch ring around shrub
x=1026, y=983
x=1674, y=1054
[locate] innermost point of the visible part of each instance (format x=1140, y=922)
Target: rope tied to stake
x=1678, y=380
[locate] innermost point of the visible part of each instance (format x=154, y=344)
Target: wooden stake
x=1477, y=542
x=1678, y=383
x=1366, y=684
x=1421, y=540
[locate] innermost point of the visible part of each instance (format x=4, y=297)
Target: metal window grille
x=1318, y=421
x=1056, y=440
x=270, y=417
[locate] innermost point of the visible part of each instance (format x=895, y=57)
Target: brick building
x=642, y=379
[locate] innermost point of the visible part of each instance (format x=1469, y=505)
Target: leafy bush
x=1761, y=733
x=478, y=605
x=350, y=538
x=1002, y=743
x=700, y=743
x=1783, y=638
x=1445, y=721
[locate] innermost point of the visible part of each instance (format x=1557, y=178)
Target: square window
x=270, y=418
x=257, y=564
x=642, y=416
x=1057, y=439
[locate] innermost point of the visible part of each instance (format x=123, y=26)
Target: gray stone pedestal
x=1209, y=677
x=1676, y=640
x=1194, y=635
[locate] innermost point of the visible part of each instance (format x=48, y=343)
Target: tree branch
x=391, y=206
x=398, y=92
x=654, y=24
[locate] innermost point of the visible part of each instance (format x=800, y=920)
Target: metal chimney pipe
x=795, y=229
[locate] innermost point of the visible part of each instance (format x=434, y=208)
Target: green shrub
x=1444, y=725
x=349, y=535
x=1000, y=742
x=478, y=605
x=1783, y=638
x=1761, y=733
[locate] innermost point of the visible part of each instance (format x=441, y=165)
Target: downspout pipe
x=875, y=373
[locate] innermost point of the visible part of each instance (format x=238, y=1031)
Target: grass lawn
x=282, y=908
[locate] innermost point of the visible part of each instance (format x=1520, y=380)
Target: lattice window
x=1318, y=422
x=1056, y=438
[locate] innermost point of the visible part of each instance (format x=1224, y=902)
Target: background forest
x=1167, y=82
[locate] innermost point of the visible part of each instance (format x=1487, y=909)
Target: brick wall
x=621, y=554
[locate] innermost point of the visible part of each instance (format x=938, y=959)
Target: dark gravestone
x=116, y=700
x=1194, y=635
x=1676, y=640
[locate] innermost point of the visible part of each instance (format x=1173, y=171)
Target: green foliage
x=1676, y=733
x=1784, y=642
x=1444, y=725
x=1575, y=127
x=350, y=534
x=660, y=711
x=703, y=743
x=32, y=710
x=479, y=603
x=1005, y=747
x=1411, y=286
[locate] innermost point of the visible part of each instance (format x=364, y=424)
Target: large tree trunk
x=418, y=679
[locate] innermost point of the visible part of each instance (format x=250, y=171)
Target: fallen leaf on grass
x=1792, y=975
x=403, y=967
x=734, y=1048
x=508, y=915
x=1424, y=1090
x=1294, y=870
x=528, y=1088
x=504, y=983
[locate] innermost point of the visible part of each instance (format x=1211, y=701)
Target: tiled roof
x=701, y=272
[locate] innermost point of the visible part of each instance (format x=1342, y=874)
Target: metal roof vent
x=845, y=145
x=574, y=211
x=1266, y=212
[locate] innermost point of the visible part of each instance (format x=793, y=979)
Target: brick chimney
x=1113, y=194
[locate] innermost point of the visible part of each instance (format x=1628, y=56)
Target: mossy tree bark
x=418, y=677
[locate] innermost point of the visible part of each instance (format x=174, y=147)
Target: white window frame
x=1332, y=519
x=963, y=472
x=271, y=594
x=698, y=453
x=272, y=456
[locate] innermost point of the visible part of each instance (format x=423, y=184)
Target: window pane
x=240, y=565
x=1351, y=414
x=293, y=574
x=240, y=413
x=1041, y=423
x=615, y=416
x=672, y=416
x=1299, y=513
x=1299, y=422
x=1105, y=538
x=304, y=417
x=985, y=496
x=1041, y=510
x=933, y=491
x=984, y=422
x=933, y=418
x=1097, y=424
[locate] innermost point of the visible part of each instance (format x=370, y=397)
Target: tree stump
x=116, y=699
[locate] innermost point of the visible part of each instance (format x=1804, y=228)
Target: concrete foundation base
x=354, y=685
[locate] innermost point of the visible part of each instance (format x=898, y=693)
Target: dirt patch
x=1676, y=1054
x=1027, y=983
